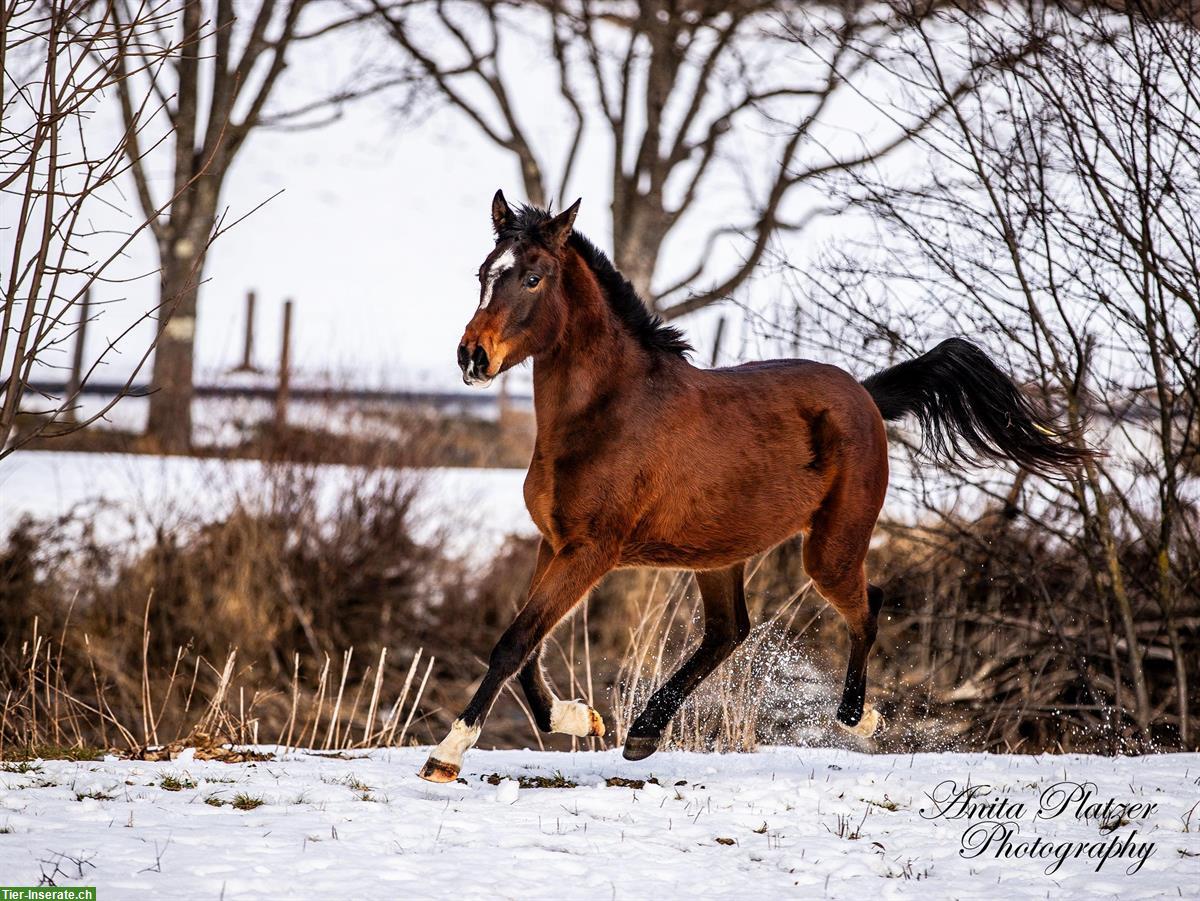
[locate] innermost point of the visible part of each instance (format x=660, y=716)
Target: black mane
x=647, y=327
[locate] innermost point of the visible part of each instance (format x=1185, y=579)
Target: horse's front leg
x=568, y=576
x=549, y=712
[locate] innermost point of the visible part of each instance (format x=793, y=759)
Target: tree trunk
x=638, y=267
x=170, y=421
x=636, y=248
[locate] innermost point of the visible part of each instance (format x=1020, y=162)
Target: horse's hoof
x=438, y=771
x=868, y=724
x=575, y=718
x=849, y=713
x=640, y=747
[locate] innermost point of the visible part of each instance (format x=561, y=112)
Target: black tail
x=969, y=409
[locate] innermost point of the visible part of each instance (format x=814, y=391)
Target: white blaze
x=500, y=265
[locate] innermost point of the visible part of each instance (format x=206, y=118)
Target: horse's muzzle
x=473, y=361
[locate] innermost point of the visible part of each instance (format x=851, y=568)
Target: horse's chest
x=564, y=497
x=539, y=496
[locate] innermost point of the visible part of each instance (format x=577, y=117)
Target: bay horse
x=642, y=459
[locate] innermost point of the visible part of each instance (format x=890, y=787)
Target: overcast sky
x=377, y=235
x=380, y=228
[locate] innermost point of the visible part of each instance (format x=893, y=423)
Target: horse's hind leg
x=834, y=552
x=726, y=625
x=550, y=713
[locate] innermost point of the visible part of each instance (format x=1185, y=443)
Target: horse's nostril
x=464, y=356
x=481, y=359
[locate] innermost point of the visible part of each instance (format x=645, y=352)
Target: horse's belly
x=703, y=533
x=696, y=512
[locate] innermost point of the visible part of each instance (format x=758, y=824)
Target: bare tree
x=1059, y=221
x=674, y=94
x=220, y=88
x=58, y=59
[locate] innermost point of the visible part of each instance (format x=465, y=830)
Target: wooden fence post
x=285, y=362
x=247, y=364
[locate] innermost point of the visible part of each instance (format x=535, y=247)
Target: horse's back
x=812, y=389
x=752, y=452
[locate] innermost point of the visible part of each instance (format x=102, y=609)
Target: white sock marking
x=867, y=725
x=461, y=738
x=571, y=718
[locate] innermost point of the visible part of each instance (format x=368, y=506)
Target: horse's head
x=522, y=311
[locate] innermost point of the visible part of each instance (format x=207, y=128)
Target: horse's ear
x=500, y=212
x=557, y=230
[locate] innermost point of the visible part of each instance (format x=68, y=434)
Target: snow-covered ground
x=474, y=509
x=783, y=822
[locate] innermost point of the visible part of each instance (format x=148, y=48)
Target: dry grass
x=272, y=624
x=998, y=638
x=243, y=801
x=44, y=717
x=744, y=702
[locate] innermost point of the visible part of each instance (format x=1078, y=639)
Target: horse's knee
x=849, y=594
x=869, y=626
x=723, y=649
x=863, y=631
x=509, y=655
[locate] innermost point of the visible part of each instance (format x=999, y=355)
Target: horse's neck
x=595, y=356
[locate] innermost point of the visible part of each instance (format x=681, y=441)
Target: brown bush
x=281, y=620
x=273, y=578
x=1000, y=627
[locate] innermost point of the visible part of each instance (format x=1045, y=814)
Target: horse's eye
x=531, y=281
